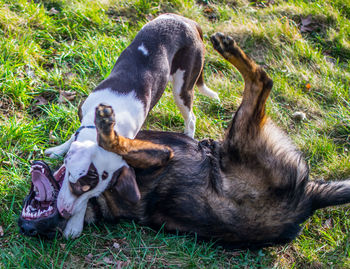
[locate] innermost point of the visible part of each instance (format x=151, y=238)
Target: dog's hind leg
x=250, y=116
x=253, y=142
x=183, y=96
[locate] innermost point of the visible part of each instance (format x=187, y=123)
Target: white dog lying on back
x=169, y=48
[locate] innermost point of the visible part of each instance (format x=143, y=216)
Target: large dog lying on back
x=250, y=190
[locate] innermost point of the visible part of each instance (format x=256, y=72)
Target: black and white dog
x=169, y=48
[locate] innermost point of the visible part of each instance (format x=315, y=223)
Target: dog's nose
x=65, y=214
x=28, y=229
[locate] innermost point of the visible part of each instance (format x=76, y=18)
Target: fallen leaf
x=149, y=17
x=66, y=96
x=63, y=246
x=308, y=86
x=328, y=224
x=208, y=10
x=306, y=21
x=52, y=138
x=210, y=13
x=53, y=11
x=1, y=231
x=116, y=245
x=30, y=73
x=307, y=24
x=299, y=116
x=108, y=260
x=89, y=257
x=40, y=100
x=330, y=60
x=70, y=76
x=263, y=4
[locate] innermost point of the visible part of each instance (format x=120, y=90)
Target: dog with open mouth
x=39, y=214
x=250, y=190
x=169, y=48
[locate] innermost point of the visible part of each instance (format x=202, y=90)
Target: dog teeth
x=37, y=167
x=32, y=213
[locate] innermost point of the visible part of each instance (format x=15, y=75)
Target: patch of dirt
x=6, y=105
x=262, y=3
x=137, y=12
x=211, y=13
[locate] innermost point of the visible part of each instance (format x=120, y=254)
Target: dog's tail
x=323, y=194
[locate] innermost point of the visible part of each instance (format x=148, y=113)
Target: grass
x=49, y=47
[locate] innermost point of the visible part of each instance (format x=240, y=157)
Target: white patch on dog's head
x=77, y=161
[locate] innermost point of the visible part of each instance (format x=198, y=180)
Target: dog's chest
x=129, y=111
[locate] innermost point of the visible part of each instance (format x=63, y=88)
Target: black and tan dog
x=250, y=190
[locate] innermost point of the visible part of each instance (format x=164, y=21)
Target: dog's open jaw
x=41, y=202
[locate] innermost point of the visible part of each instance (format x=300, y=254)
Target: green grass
x=43, y=52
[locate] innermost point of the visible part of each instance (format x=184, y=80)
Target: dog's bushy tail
x=323, y=194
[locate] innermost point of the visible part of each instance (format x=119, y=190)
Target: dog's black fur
x=250, y=190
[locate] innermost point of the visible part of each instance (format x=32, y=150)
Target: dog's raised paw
x=225, y=45
x=104, y=117
x=216, y=41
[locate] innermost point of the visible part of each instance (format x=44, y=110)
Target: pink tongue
x=43, y=185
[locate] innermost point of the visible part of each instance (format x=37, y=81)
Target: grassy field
x=53, y=53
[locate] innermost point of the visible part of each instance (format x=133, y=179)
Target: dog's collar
x=81, y=128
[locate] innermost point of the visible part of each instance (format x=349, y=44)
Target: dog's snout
x=65, y=214
x=28, y=229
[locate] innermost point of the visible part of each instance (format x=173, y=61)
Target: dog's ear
x=124, y=181
x=143, y=154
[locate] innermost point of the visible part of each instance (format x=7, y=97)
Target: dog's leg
x=183, y=95
x=75, y=224
x=137, y=153
x=58, y=151
x=250, y=116
x=203, y=89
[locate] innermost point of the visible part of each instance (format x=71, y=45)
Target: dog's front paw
x=225, y=45
x=54, y=152
x=104, y=118
x=71, y=233
x=73, y=228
